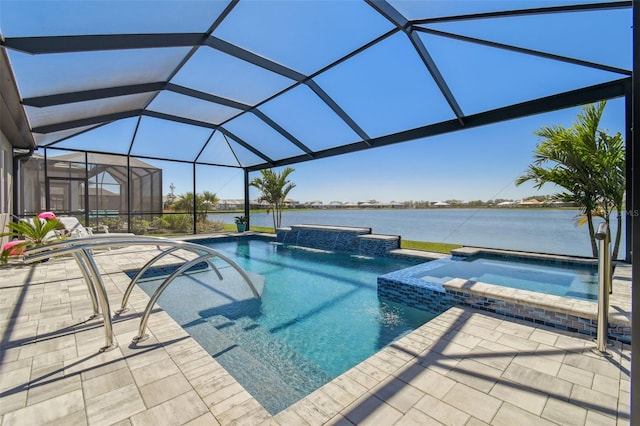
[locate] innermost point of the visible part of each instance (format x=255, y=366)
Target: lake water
x=535, y=230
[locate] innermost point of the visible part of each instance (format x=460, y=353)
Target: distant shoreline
x=294, y=209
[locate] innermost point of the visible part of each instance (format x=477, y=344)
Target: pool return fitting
x=81, y=249
x=604, y=284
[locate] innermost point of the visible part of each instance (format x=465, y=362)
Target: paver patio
x=464, y=367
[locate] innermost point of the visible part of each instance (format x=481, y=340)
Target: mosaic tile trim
x=420, y=295
x=402, y=287
x=344, y=239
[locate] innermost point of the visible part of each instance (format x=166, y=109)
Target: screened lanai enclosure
x=97, y=188
x=122, y=99
x=106, y=104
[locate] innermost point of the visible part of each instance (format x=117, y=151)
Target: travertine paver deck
x=464, y=367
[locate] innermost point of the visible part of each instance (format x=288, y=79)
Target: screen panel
x=387, y=88
x=159, y=138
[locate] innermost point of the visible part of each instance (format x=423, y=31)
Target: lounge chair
x=74, y=229
x=71, y=228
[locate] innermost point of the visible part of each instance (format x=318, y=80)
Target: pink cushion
x=47, y=215
x=14, y=252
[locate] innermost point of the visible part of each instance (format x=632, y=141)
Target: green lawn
x=427, y=246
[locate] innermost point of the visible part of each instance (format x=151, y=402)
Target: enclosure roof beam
x=336, y=109
x=99, y=119
x=90, y=43
x=328, y=100
x=249, y=147
x=578, y=97
x=178, y=119
x=94, y=94
x=282, y=131
x=147, y=157
x=525, y=51
x=245, y=55
x=194, y=47
x=428, y=61
x=390, y=13
x=528, y=11
x=207, y=97
x=397, y=19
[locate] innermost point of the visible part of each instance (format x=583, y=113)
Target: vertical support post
x=604, y=279
x=195, y=202
x=129, y=186
x=629, y=155
x=246, y=198
x=86, y=191
x=47, y=196
x=634, y=188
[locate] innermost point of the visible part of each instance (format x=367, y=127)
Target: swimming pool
x=318, y=316
x=573, y=280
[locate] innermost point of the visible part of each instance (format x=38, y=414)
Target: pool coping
x=562, y=304
x=564, y=313
x=580, y=308
x=471, y=251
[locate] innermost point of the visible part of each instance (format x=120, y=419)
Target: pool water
x=318, y=316
x=578, y=281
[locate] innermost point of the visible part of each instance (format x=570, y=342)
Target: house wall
x=6, y=175
x=6, y=185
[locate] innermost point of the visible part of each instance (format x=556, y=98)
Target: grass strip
x=428, y=246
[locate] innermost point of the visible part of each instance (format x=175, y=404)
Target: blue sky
x=480, y=163
x=384, y=89
x=476, y=164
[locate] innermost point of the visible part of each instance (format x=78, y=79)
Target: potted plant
x=241, y=223
x=33, y=233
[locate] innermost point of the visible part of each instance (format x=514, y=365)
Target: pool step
x=249, y=351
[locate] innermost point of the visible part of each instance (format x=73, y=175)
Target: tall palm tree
x=274, y=188
x=610, y=181
x=587, y=163
x=605, y=155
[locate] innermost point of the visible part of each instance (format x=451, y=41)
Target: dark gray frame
x=627, y=86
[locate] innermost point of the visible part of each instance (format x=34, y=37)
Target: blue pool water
x=318, y=316
x=578, y=281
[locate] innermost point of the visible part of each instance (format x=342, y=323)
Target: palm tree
x=274, y=189
x=587, y=163
x=610, y=181
x=209, y=199
x=184, y=203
